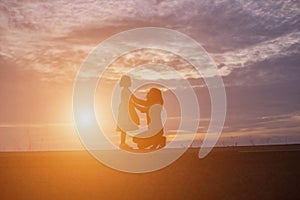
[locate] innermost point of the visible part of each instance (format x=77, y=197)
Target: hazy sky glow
x=256, y=45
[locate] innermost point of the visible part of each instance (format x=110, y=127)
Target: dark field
x=227, y=173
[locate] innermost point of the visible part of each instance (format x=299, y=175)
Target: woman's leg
x=156, y=141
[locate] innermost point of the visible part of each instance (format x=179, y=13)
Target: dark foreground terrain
x=227, y=173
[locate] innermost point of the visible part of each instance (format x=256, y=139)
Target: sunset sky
x=255, y=44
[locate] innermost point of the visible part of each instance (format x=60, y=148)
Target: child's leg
x=123, y=144
x=123, y=137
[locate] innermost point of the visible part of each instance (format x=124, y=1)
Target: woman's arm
x=140, y=104
x=142, y=109
x=138, y=101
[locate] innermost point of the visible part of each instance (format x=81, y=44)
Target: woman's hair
x=155, y=96
x=125, y=81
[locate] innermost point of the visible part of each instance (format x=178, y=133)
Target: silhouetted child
x=128, y=119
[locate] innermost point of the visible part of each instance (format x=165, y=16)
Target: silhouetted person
x=128, y=119
x=153, y=137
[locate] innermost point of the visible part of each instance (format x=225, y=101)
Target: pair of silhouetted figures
x=152, y=138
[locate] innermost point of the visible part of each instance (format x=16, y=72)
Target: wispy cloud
x=254, y=43
x=51, y=37
x=273, y=48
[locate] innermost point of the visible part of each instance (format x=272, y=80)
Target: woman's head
x=125, y=81
x=155, y=96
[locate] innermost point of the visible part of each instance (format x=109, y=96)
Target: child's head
x=125, y=81
x=154, y=96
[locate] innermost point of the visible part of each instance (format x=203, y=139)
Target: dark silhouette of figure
x=153, y=137
x=128, y=119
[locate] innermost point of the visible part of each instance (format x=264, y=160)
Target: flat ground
x=227, y=173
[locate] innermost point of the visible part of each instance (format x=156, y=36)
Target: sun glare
x=85, y=117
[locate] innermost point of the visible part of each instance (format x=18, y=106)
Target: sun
x=84, y=117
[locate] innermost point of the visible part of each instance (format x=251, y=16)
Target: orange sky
x=44, y=43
